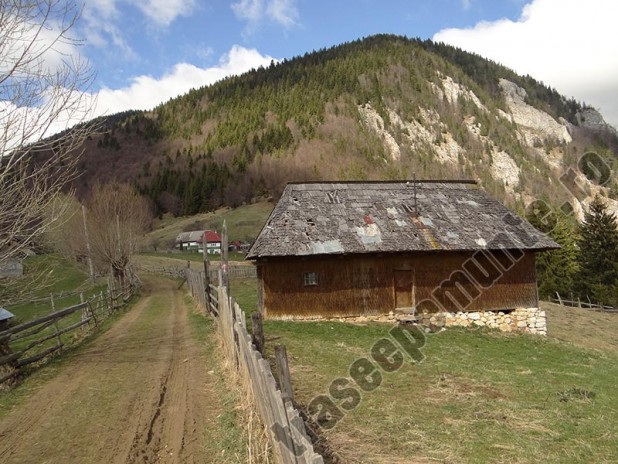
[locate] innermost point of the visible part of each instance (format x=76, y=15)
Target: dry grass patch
x=479, y=396
x=582, y=327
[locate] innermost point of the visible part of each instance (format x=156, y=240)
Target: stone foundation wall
x=529, y=320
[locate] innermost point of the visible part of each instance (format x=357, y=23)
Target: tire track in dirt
x=139, y=394
x=164, y=435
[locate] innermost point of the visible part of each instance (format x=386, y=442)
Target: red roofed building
x=213, y=242
x=194, y=240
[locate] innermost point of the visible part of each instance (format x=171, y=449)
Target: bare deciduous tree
x=66, y=233
x=117, y=218
x=43, y=91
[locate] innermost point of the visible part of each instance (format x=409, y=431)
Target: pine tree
x=555, y=269
x=598, y=254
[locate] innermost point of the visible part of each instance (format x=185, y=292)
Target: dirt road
x=140, y=393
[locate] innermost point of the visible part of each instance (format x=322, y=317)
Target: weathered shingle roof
x=197, y=236
x=364, y=217
x=191, y=236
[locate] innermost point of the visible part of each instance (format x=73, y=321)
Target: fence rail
x=32, y=341
x=43, y=299
x=286, y=429
x=583, y=304
x=239, y=271
x=169, y=271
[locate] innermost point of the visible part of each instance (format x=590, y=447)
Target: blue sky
x=147, y=51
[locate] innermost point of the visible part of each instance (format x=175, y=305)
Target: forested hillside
x=384, y=107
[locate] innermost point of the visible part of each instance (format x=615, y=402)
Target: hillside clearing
x=244, y=223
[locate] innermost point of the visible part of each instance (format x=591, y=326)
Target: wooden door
x=404, y=288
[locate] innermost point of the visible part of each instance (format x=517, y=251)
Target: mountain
x=384, y=107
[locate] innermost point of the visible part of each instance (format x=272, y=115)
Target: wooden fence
x=583, y=304
x=286, y=429
x=239, y=271
x=44, y=299
x=33, y=341
x=168, y=271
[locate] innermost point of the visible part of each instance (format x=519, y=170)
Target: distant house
x=443, y=252
x=189, y=241
x=237, y=245
x=213, y=242
x=194, y=241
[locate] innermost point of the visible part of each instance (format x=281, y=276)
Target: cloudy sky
x=147, y=51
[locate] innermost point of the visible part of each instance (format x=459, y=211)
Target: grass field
x=181, y=258
x=479, y=396
x=243, y=223
x=46, y=275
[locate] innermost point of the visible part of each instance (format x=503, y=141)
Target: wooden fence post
x=236, y=341
x=257, y=331
x=206, y=274
x=84, y=310
x=283, y=371
x=53, y=307
x=224, y=259
x=559, y=299
x=112, y=297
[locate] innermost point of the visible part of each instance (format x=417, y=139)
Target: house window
x=310, y=278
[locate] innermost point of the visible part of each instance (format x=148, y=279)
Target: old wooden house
x=195, y=240
x=341, y=249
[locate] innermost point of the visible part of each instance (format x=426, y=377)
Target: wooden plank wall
x=287, y=435
x=359, y=285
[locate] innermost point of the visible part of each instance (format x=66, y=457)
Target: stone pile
x=529, y=320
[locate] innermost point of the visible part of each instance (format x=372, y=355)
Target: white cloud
x=56, y=110
x=146, y=92
x=466, y=4
x=100, y=29
x=283, y=12
x=251, y=11
x=101, y=19
x=570, y=45
x=31, y=48
x=165, y=11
